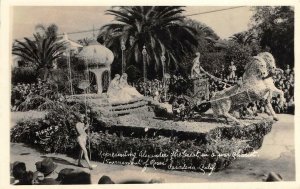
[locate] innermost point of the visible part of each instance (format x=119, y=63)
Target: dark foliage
x=23, y=75
x=160, y=28
x=274, y=27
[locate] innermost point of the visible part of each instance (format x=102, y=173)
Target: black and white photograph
x=151, y=94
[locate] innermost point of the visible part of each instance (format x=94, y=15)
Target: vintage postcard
x=98, y=93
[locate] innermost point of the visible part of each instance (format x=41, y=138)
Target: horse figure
x=270, y=61
x=252, y=89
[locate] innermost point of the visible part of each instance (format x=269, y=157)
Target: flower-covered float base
x=101, y=105
x=143, y=138
x=203, y=145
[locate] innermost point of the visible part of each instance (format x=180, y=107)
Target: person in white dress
x=128, y=92
x=120, y=92
x=114, y=87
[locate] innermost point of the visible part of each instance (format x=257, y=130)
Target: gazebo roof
x=96, y=54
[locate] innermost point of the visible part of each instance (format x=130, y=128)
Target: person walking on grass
x=81, y=125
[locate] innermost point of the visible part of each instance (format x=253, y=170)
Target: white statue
x=196, y=69
x=270, y=61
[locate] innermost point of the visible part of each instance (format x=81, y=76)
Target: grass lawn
x=20, y=116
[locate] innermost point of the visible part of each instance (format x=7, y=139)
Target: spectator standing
x=232, y=70
x=287, y=71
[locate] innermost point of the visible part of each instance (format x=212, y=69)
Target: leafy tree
x=239, y=54
x=212, y=62
x=160, y=28
x=274, y=27
x=247, y=39
x=243, y=38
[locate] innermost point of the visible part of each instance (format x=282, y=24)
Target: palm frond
x=41, y=51
x=163, y=10
x=160, y=28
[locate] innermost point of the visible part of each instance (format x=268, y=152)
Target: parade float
x=135, y=130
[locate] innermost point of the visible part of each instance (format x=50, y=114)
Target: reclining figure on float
x=120, y=92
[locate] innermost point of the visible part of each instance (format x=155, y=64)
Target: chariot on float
x=189, y=96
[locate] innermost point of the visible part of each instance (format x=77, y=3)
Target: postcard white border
x=5, y=85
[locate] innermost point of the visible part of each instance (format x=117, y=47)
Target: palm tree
x=40, y=52
x=46, y=32
x=160, y=28
x=243, y=38
x=206, y=36
x=203, y=31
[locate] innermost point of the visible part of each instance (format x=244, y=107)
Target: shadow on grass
x=24, y=154
x=71, y=154
x=59, y=160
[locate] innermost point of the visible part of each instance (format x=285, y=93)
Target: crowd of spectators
x=23, y=91
x=46, y=174
x=154, y=88
x=284, y=81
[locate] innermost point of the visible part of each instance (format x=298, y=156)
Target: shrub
x=53, y=133
x=24, y=75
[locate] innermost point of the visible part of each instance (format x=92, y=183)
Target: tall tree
x=40, y=51
x=247, y=39
x=238, y=53
x=243, y=38
x=43, y=31
x=206, y=38
x=160, y=28
x=274, y=27
x=202, y=29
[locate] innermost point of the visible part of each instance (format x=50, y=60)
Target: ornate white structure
x=98, y=60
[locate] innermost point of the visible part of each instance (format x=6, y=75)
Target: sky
x=71, y=19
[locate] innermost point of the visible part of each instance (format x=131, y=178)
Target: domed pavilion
x=98, y=60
